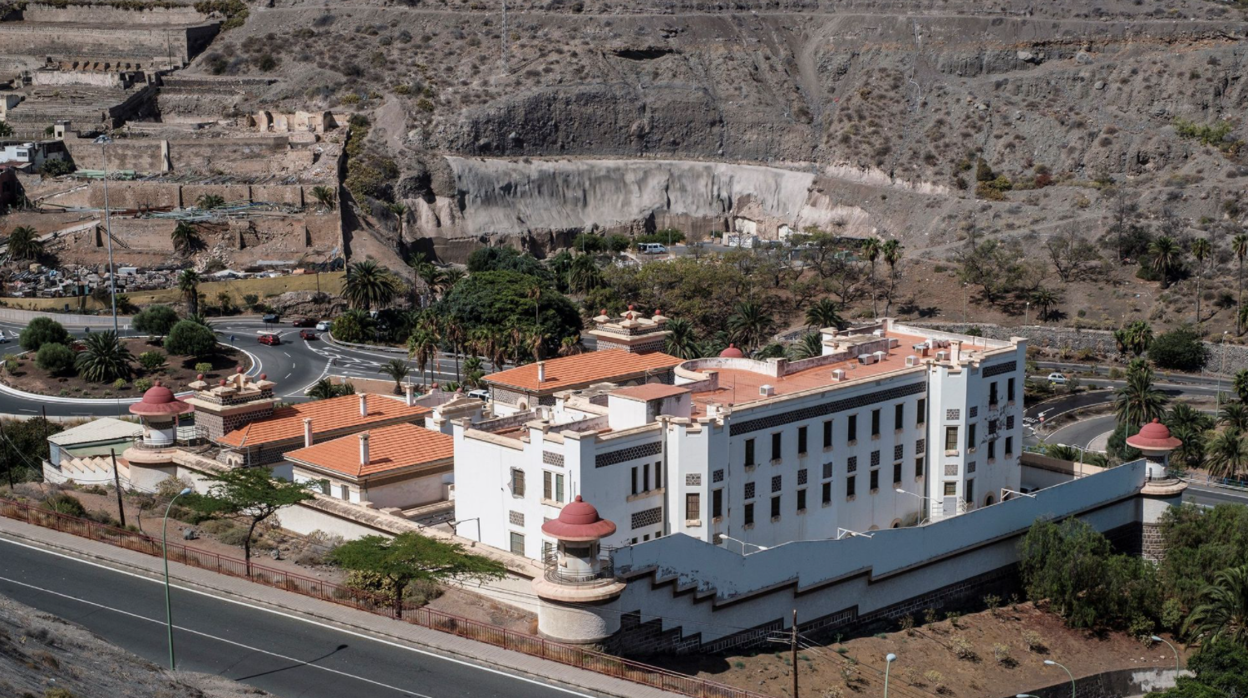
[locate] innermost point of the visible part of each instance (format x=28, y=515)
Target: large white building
x=745, y=453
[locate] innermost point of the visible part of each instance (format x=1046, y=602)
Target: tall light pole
x=888, y=664
x=1221, y=370
x=104, y=140
x=1157, y=638
x=922, y=501
x=1050, y=662
x=164, y=551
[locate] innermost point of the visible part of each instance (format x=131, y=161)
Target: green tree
x=1189, y=426
x=397, y=370
x=25, y=446
x=5, y=129
x=1222, y=614
x=1166, y=258
x=188, y=284
x=152, y=360
x=1201, y=249
x=249, y=495
x=324, y=196
x=423, y=347
x=1234, y=415
x=24, y=243
x=1240, y=385
x=1180, y=349
x=502, y=299
x=474, y=372
x=188, y=338
x=410, y=557
x=1239, y=246
x=325, y=389
x=584, y=276
x=682, y=339
x=210, y=201
x=352, y=326
x=891, y=250
x=508, y=259
x=55, y=358
x=750, y=325
x=155, y=320
x=104, y=358
x=1138, y=402
x=1135, y=338
x=1226, y=454
x=810, y=345
x=870, y=251
x=822, y=313
x=186, y=238
x=369, y=285
x=1220, y=668
x=43, y=330
x=1045, y=298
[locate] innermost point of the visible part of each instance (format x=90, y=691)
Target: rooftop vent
x=879, y=355
x=766, y=390
x=942, y=355
x=878, y=333
x=912, y=360
x=867, y=359
x=838, y=374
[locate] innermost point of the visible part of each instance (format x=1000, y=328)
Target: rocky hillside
x=884, y=106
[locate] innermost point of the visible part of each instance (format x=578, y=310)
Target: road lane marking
x=287, y=354
x=353, y=633
x=185, y=629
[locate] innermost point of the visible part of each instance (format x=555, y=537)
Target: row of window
x=851, y=427
x=717, y=496
x=552, y=485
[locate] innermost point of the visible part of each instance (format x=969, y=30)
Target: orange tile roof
x=389, y=448
x=583, y=369
x=327, y=415
x=650, y=391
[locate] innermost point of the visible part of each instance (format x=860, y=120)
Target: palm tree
x=447, y=278
x=1138, y=402
x=24, y=243
x=1226, y=454
x=210, y=201
x=104, y=358
x=809, y=346
x=682, y=339
x=750, y=325
x=570, y=346
x=1044, y=299
x=1234, y=415
x=1239, y=245
x=1134, y=338
x=1201, y=249
x=188, y=284
x=397, y=370
x=871, y=251
x=473, y=371
x=1184, y=416
x=324, y=196
x=325, y=389
x=891, y=250
x=1223, y=611
x=1241, y=385
x=1165, y=252
x=423, y=347
x=822, y=313
x=368, y=285
x=185, y=238
x=584, y=276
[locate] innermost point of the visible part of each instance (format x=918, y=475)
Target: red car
x=307, y=334
x=305, y=322
x=270, y=339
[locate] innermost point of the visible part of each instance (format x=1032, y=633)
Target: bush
x=1180, y=349
x=67, y=504
x=56, y=168
x=155, y=320
x=43, y=330
x=203, y=367
x=55, y=358
x=189, y=338
x=152, y=360
x=142, y=384
x=233, y=536
x=119, y=384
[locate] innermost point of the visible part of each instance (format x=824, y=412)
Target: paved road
x=271, y=651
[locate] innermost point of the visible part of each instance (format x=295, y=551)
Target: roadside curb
x=299, y=612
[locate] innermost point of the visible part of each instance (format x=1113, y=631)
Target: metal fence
x=531, y=645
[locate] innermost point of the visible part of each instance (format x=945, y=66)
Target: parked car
x=307, y=334
x=652, y=248
x=482, y=395
x=323, y=326
x=270, y=339
x=270, y=319
x=4, y=338
x=1057, y=378
x=305, y=322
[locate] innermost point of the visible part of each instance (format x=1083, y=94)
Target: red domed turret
x=1154, y=437
x=732, y=352
x=578, y=521
x=159, y=401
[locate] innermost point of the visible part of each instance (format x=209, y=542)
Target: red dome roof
x=1154, y=437
x=159, y=400
x=579, y=521
x=732, y=352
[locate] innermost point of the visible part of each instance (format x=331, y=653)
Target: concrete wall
x=105, y=14
x=1122, y=683
x=141, y=46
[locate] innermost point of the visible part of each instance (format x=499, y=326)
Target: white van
x=652, y=248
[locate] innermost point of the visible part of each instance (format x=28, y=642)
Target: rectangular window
x=992, y=393
x=918, y=468
x=951, y=488
x=896, y=473
x=850, y=489
x=875, y=422
x=775, y=446
x=970, y=491
x=749, y=514
x=992, y=449
x=899, y=416
x=776, y=483
x=552, y=486
x=1009, y=446
x=852, y=428
x=827, y=470
x=634, y=477
x=344, y=491
x=717, y=503
x=645, y=479
x=693, y=506
x=801, y=441
x=992, y=427
x=875, y=480
x=801, y=500
x=658, y=475
x=921, y=417
x=827, y=492
x=951, y=438
x=517, y=482
x=1009, y=390
x=749, y=452
x=517, y=543
x=775, y=507
x=749, y=490
x=827, y=434
x=970, y=436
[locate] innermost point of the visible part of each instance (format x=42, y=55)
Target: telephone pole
x=793, y=651
x=121, y=508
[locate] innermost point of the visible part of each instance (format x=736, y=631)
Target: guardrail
x=560, y=575
x=534, y=646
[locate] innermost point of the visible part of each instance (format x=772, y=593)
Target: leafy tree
x=501, y=299
x=43, y=330
x=249, y=495
x=24, y=243
x=1138, y=402
x=397, y=370
x=1234, y=415
x=584, y=276
x=1199, y=543
x=1239, y=246
x=822, y=313
x=997, y=268
x=410, y=557
x=353, y=326
x=1117, y=447
x=1189, y=426
x=186, y=238
x=324, y=196
x=1226, y=454
x=155, y=320
x=1223, y=611
x=104, y=359
x=1201, y=249
x=210, y=201
x=1044, y=299
x=1180, y=349
x=368, y=285
x=423, y=347
x=188, y=284
x=870, y=251
x=507, y=259
x=891, y=250
x=570, y=346
x=189, y=338
x=473, y=372
x=1240, y=385
x=1135, y=338
x=682, y=339
x=5, y=129
x=24, y=445
x=325, y=389
x=56, y=168
x=750, y=325
x=1221, y=671
x=1070, y=253
x=152, y=360
x=1166, y=260
x=55, y=358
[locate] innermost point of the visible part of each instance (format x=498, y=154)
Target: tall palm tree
x=104, y=358
x=324, y=196
x=1166, y=253
x=24, y=243
x=1044, y=299
x=423, y=347
x=1134, y=338
x=474, y=371
x=447, y=279
x=1138, y=402
x=188, y=284
x=1241, y=384
x=1201, y=249
x=1226, y=453
x=1234, y=415
x=397, y=370
x=185, y=238
x=822, y=313
x=570, y=346
x=809, y=346
x=682, y=339
x=324, y=389
x=210, y=201
x=871, y=252
x=1239, y=245
x=368, y=285
x=750, y=325
x=891, y=251
x=584, y=275
x=1184, y=416
x=1223, y=611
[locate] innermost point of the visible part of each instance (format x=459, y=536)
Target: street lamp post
x=104, y=140
x=888, y=664
x=164, y=550
x=1050, y=662
x=1157, y=638
x=1025, y=695
x=922, y=501
x=1221, y=370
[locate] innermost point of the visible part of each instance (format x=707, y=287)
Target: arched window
x=989, y=501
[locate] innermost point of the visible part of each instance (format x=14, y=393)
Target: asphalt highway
x=269, y=650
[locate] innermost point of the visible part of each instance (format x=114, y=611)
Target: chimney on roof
x=541, y=372
x=411, y=394
x=955, y=350
x=364, y=448
x=307, y=432
x=363, y=404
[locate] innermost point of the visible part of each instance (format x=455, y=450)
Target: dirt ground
x=985, y=654
x=176, y=374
